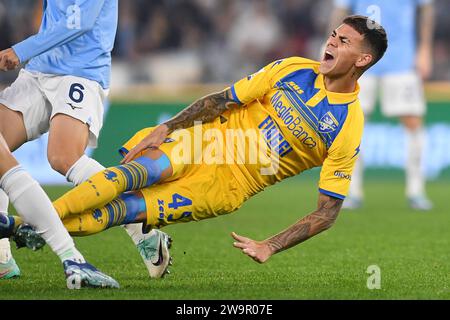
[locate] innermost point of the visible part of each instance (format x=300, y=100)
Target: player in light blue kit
x=61, y=90
x=399, y=77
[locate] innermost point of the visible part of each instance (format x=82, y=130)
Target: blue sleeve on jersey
x=332, y=194
x=59, y=32
x=235, y=97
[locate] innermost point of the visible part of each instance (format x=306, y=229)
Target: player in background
x=308, y=115
x=399, y=78
x=61, y=90
x=31, y=201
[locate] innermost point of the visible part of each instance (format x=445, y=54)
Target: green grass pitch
x=411, y=249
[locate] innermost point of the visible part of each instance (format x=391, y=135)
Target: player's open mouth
x=328, y=56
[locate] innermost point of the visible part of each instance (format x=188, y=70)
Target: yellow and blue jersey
x=305, y=125
x=298, y=121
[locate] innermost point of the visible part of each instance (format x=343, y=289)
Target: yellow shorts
x=194, y=192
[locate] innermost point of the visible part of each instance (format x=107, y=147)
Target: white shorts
x=400, y=94
x=40, y=96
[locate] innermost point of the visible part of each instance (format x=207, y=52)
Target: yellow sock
x=93, y=193
x=17, y=221
x=84, y=224
x=93, y=221
x=105, y=186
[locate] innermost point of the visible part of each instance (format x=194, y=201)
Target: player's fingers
x=240, y=245
x=11, y=64
x=134, y=152
x=155, y=145
x=145, y=144
x=130, y=155
x=127, y=157
x=234, y=235
x=2, y=64
x=240, y=238
x=157, y=140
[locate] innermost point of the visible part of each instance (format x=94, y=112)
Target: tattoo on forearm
x=205, y=109
x=318, y=221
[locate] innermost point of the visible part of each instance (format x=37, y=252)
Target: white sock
x=5, y=248
x=134, y=230
x=5, y=251
x=415, y=181
x=34, y=206
x=356, y=185
x=83, y=169
x=4, y=202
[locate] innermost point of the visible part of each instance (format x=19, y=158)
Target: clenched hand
x=8, y=60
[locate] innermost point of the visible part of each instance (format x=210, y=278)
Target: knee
x=155, y=168
x=412, y=123
x=62, y=162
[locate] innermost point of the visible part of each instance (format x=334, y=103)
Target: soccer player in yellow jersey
x=306, y=114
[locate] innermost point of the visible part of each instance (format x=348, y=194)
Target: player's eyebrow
x=342, y=38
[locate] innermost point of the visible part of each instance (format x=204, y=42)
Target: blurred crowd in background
x=196, y=41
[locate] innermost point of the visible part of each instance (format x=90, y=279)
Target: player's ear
x=364, y=60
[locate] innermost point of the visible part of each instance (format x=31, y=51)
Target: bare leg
x=67, y=141
x=12, y=128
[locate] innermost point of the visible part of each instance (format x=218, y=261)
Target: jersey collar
x=336, y=97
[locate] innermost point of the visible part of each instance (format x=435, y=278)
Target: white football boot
x=153, y=248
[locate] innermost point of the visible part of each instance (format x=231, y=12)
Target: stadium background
x=170, y=52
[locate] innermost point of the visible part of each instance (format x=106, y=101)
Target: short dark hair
x=374, y=35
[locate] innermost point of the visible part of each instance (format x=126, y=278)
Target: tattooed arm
x=205, y=109
x=307, y=227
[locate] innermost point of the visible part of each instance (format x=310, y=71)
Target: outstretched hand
x=153, y=140
x=8, y=60
x=257, y=250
